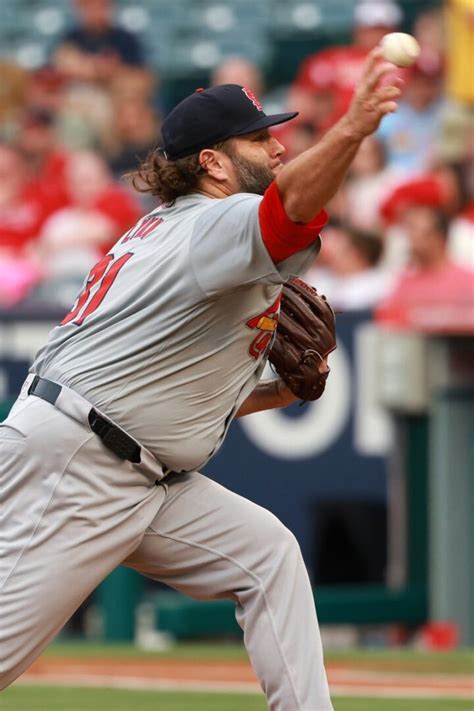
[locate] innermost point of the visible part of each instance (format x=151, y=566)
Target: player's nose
x=277, y=148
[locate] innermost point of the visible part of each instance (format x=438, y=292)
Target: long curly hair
x=167, y=179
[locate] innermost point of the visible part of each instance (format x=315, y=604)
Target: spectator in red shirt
x=74, y=238
x=23, y=207
x=100, y=211
x=329, y=77
x=22, y=213
x=431, y=280
x=46, y=161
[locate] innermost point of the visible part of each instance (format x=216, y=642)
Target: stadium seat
x=192, y=35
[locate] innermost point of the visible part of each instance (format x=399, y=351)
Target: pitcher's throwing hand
x=375, y=95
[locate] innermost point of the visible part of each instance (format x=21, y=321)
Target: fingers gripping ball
x=304, y=337
x=400, y=48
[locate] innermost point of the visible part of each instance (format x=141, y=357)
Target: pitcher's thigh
x=211, y=540
x=65, y=526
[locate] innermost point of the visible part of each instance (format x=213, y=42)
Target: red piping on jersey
x=281, y=236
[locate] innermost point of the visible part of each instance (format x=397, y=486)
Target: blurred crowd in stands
x=402, y=226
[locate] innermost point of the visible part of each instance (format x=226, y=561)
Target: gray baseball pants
x=71, y=511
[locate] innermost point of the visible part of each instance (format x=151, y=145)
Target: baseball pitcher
x=135, y=389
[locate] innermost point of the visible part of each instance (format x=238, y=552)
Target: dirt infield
x=238, y=676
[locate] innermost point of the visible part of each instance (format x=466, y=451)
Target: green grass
x=457, y=662
x=401, y=705
x=116, y=651
x=69, y=699
x=39, y=698
x=460, y=661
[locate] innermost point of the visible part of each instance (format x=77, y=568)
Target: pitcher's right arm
x=310, y=180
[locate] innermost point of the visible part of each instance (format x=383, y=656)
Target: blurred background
x=376, y=479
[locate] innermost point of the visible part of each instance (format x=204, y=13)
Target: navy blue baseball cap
x=209, y=116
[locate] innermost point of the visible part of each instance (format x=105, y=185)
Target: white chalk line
x=163, y=684
x=142, y=684
x=407, y=678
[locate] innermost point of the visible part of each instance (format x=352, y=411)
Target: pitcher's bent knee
x=13, y=662
x=272, y=540
x=277, y=533
x=7, y=674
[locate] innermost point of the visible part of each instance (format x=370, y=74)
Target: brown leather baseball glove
x=304, y=337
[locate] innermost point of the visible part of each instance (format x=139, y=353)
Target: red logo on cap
x=251, y=97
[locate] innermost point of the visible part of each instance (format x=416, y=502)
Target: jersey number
x=104, y=274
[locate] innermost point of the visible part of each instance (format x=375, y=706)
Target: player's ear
x=213, y=163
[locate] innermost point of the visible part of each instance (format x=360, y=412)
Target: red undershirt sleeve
x=281, y=236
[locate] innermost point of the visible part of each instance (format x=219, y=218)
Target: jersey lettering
x=103, y=273
x=144, y=228
x=266, y=323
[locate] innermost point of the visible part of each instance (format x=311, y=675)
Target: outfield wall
x=350, y=480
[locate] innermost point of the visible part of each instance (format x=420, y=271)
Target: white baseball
x=400, y=48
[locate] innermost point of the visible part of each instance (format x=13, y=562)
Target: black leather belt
x=112, y=436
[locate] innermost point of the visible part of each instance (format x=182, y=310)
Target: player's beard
x=252, y=178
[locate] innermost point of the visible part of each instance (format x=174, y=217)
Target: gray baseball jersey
x=165, y=337
x=168, y=337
